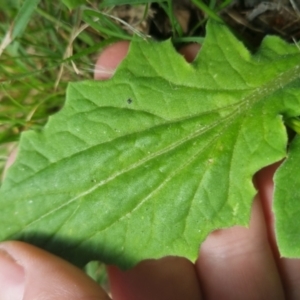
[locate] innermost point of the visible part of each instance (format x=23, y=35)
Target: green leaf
x=148, y=163
x=287, y=204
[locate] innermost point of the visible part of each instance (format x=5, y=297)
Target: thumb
x=29, y=273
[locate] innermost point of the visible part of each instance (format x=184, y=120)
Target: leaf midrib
x=259, y=94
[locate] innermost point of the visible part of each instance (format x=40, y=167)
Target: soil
x=251, y=20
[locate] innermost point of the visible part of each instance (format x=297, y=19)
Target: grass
x=36, y=66
x=44, y=45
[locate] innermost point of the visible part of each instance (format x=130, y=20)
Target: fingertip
x=109, y=60
x=12, y=277
x=47, y=276
x=246, y=255
x=190, y=51
x=11, y=159
x=112, y=55
x=166, y=278
x=265, y=185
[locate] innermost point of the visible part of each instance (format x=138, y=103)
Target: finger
x=264, y=183
x=238, y=263
x=37, y=263
x=29, y=273
x=167, y=278
x=109, y=59
x=289, y=268
x=9, y=162
x=190, y=51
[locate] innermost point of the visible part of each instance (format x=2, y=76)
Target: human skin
x=235, y=263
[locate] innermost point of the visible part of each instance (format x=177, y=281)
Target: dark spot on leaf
x=129, y=101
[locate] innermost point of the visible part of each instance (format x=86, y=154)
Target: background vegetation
x=45, y=44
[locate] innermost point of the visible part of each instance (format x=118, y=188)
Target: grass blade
x=122, y=2
x=20, y=23
x=211, y=13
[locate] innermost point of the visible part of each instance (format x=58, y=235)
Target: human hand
x=235, y=263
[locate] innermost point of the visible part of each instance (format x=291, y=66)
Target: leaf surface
x=287, y=204
x=148, y=163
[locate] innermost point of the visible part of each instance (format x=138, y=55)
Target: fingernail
x=12, y=278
